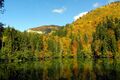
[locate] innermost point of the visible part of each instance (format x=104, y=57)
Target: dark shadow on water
x=65, y=69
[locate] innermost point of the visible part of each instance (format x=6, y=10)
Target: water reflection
x=64, y=69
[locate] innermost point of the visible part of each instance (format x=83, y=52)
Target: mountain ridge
x=45, y=28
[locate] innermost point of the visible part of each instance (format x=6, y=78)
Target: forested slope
x=96, y=34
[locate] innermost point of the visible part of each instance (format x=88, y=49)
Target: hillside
x=96, y=34
x=45, y=28
x=86, y=25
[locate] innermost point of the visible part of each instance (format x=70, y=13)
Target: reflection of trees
x=87, y=70
x=112, y=69
x=65, y=69
x=20, y=71
x=75, y=69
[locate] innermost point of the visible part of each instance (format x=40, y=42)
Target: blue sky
x=25, y=14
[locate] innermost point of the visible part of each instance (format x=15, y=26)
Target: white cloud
x=96, y=4
x=59, y=10
x=79, y=15
x=112, y=0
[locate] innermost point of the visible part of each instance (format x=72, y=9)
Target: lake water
x=64, y=69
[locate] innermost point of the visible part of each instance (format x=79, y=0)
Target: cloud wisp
x=96, y=4
x=80, y=15
x=59, y=10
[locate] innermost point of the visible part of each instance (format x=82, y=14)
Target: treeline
x=22, y=46
x=106, y=39
x=18, y=45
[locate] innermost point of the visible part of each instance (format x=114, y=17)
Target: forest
x=86, y=49
x=22, y=46
x=100, y=38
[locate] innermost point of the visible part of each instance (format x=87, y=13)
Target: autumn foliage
x=96, y=34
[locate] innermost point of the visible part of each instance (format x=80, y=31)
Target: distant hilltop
x=44, y=29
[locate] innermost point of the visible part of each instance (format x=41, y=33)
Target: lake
x=62, y=69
